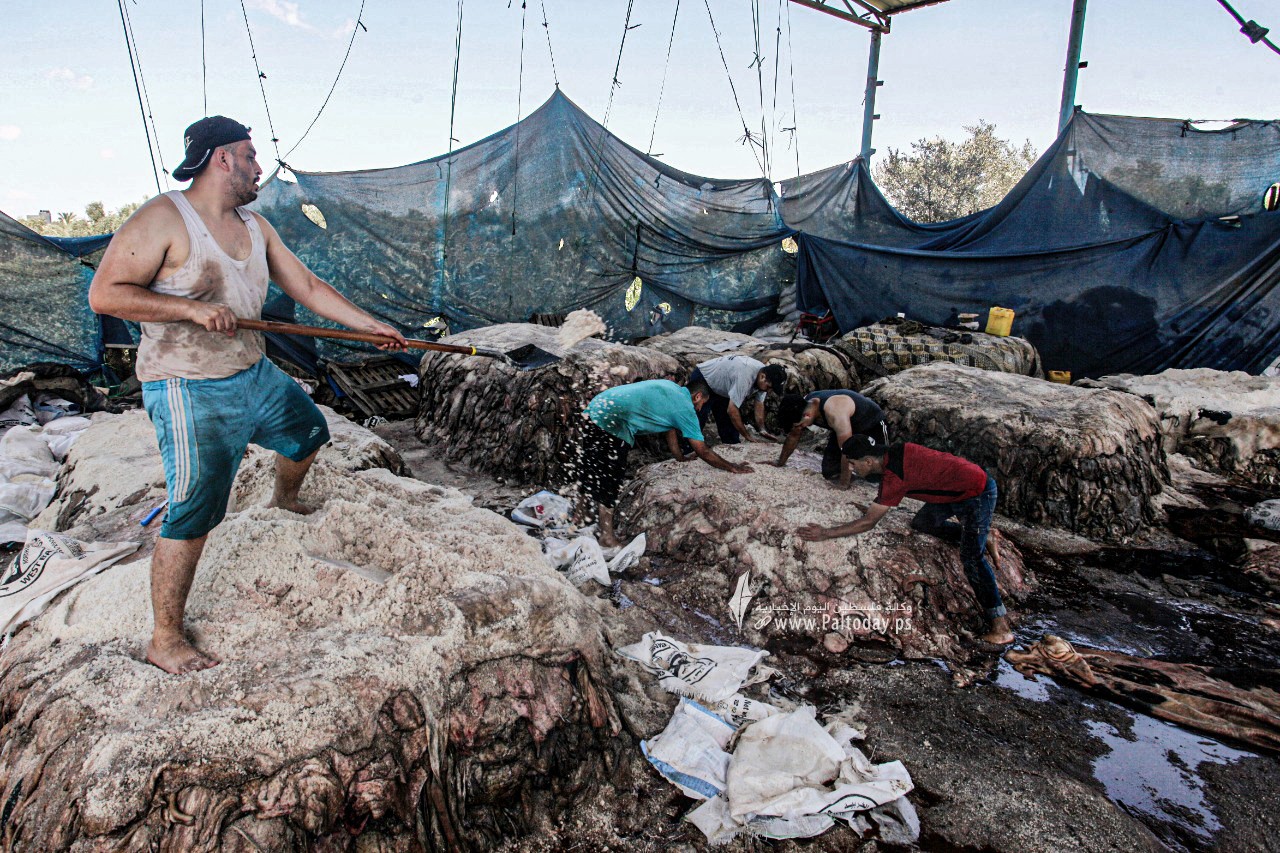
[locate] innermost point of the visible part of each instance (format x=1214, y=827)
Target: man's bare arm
x=735, y=418
x=673, y=445
x=797, y=432
x=759, y=413
x=132, y=261
x=869, y=519
x=715, y=460
x=305, y=287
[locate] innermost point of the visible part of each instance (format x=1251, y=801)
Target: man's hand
x=814, y=533
x=768, y=436
x=213, y=316
x=778, y=463
x=836, y=484
x=388, y=331
x=741, y=469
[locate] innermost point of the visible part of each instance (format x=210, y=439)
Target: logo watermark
x=796, y=618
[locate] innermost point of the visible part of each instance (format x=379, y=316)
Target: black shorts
x=600, y=464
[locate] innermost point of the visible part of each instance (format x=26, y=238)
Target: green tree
x=97, y=221
x=941, y=180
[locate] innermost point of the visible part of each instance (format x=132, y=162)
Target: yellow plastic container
x=1062, y=377
x=1000, y=321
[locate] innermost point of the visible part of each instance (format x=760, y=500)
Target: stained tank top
x=189, y=351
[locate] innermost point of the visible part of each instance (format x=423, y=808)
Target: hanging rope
x=448, y=175
x=663, y=87
x=128, y=43
x=146, y=97
x=359, y=26
x=275, y=140
x=204, y=64
x=794, y=129
x=515, y=190
x=547, y=29
x=747, y=138
x=608, y=110
x=758, y=62
x=777, y=60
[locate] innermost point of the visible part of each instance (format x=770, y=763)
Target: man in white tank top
x=186, y=266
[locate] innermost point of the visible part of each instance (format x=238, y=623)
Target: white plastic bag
x=544, y=509
x=707, y=673
x=47, y=564
x=690, y=751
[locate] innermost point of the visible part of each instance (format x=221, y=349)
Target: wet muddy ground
x=1009, y=763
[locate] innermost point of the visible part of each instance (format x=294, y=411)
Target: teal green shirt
x=654, y=405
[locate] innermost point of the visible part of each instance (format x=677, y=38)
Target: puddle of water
x=1036, y=689
x=1156, y=773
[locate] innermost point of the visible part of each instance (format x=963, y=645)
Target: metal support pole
x=869, y=101
x=1072, y=70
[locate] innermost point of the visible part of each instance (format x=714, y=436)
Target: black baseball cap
x=201, y=138
x=860, y=446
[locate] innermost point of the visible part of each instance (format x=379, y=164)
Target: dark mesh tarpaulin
x=1112, y=250
x=44, y=298
x=549, y=215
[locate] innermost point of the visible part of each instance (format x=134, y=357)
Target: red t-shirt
x=913, y=471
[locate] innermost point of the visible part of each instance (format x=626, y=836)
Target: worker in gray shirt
x=732, y=379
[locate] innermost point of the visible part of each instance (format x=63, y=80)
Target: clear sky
x=71, y=133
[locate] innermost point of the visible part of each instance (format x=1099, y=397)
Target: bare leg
x=607, y=537
x=173, y=567
x=289, y=477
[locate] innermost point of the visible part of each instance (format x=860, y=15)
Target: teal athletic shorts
x=204, y=427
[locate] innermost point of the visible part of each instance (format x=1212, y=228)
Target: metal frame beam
x=871, y=18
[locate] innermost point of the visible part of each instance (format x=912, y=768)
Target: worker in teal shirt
x=608, y=431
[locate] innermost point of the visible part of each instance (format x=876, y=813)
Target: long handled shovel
x=527, y=357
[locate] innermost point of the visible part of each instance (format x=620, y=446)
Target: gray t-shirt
x=733, y=376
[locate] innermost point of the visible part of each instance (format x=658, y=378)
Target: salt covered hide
x=114, y=476
x=810, y=367
x=1228, y=421
x=888, y=590
x=516, y=424
x=1087, y=461
x=400, y=671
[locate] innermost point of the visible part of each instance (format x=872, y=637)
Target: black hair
x=860, y=446
x=790, y=411
x=699, y=387
x=776, y=376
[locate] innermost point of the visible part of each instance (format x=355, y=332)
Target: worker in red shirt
x=950, y=487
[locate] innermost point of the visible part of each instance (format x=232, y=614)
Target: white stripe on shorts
x=181, y=442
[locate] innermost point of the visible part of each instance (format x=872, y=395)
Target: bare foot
x=179, y=657
x=292, y=506
x=999, y=635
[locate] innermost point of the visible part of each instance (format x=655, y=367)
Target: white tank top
x=189, y=351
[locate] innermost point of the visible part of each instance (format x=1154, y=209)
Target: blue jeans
x=974, y=524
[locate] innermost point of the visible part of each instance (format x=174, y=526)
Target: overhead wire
x=663, y=87
x=204, y=62
x=133, y=65
x=356, y=28
x=515, y=188
x=608, y=110
x=448, y=179
x=758, y=61
x=1252, y=29
x=146, y=97
x=546, y=27
x=275, y=140
x=791, y=62
x=748, y=138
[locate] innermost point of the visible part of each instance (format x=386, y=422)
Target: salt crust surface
x=310, y=650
